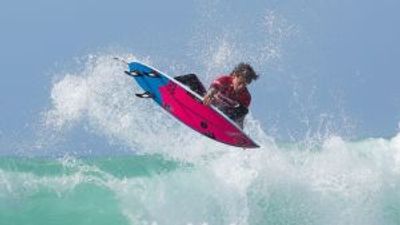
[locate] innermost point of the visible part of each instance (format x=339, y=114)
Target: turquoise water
x=70, y=191
x=339, y=183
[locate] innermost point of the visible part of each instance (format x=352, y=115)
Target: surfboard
x=186, y=105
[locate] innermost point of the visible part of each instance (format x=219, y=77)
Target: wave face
x=340, y=183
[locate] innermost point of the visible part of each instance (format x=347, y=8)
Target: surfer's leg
x=192, y=82
x=240, y=121
x=236, y=114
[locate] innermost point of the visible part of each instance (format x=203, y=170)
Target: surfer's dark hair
x=244, y=69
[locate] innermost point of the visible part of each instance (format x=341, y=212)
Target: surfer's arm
x=209, y=96
x=216, y=86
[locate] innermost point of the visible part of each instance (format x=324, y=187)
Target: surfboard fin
x=152, y=74
x=144, y=95
x=132, y=73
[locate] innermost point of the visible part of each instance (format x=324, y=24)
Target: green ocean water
x=69, y=191
x=281, y=186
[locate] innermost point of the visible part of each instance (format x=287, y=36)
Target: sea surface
x=338, y=182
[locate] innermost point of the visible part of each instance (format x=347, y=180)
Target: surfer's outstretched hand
x=207, y=99
x=209, y=96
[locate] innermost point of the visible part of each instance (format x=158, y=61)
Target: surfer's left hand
x=208, y=99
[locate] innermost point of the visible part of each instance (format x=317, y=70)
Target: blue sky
x=338, y=63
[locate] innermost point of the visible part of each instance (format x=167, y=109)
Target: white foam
x=395, y=147
x=69, y=97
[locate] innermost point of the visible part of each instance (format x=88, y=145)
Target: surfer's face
x=239, y=83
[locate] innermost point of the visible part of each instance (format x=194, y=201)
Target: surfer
x=229, y=92
x=183, y=96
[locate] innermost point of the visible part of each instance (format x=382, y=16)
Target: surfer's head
x=243, y=74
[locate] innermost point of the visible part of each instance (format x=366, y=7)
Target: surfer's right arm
x=216, y=86
x=209, y=96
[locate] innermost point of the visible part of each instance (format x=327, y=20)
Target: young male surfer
x=228, y=92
